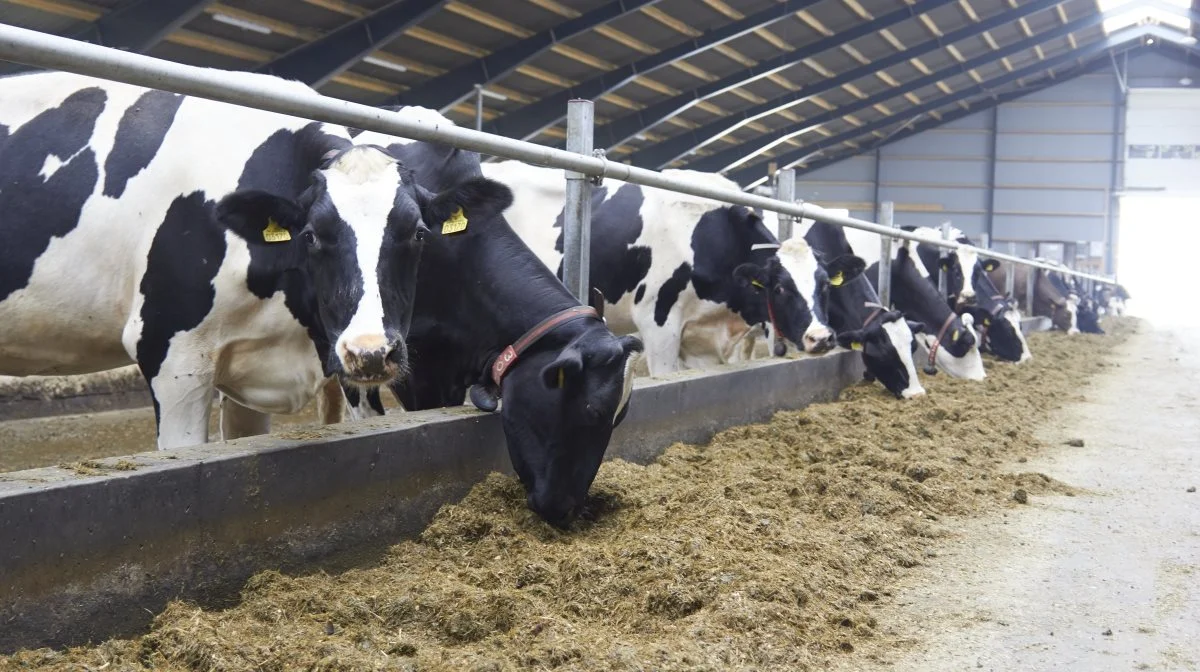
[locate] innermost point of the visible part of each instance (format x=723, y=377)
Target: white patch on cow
x=362, y=185
x=797, y=257
x=50, y=167
x=626, y=384
x=1013, y=317
x=1073, y=310
x=902, y=337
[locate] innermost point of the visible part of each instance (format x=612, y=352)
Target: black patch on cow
x=670, y=291
x=617, y=265
x=139, y=135
x=37, y=210
x=184, y=258
x=283, y=165
x=641, y=293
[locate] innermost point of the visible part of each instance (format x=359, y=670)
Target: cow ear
x=597, y=302
x=751, y=275
x=564, y=370
x=850, y=339
x=915, y=327
x=261, y=218
x=845, y=268
x=990, y=265
x=477, y=199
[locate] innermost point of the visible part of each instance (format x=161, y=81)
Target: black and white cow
x=1111, y=298
x=1051, y=298
x=491, y=319
x=214, y=246
x=851, y=303
x=1087, y=309
x=996, y=316
x=948, y=339
x=694, y=278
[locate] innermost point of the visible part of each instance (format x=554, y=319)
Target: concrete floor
x=1106, y=580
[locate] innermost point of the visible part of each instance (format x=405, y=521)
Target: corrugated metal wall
x=1042, y=168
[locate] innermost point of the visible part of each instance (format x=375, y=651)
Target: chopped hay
x=769, y=548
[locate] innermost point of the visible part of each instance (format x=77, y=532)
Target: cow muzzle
x=818, y=339
x=371, y=358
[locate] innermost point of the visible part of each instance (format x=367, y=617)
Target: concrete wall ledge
x=87, y=557
x=1032, y=324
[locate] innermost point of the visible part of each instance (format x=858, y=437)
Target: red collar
x=512, y=353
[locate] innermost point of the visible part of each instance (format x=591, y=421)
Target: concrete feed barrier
x=40, y=396
x=87, y=557
x=1037, y=323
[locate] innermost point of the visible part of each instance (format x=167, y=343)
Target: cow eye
x=309, y=237
x=419, y=234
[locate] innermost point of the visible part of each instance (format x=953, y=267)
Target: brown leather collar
x=938, y=341
x=512, y=353
x=872, y=316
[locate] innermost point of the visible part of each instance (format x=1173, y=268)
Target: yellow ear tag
x=456, y=224
x=987, y=322
x=856, y=346
x=562, y=379
x=758, y=284
x=274, y=233
x=837, y=280
x=954, y=337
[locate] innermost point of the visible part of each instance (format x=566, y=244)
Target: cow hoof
x=930, y=370
x=780, y=349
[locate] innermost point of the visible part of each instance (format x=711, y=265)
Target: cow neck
x=937, y=342
x=983, y=328
x=505, y=293
x=511, y=354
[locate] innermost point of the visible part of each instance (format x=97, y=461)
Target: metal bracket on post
x=785, y=190
x=577, y=213
x=942, y=285
x=887, y=211
x=985, y=241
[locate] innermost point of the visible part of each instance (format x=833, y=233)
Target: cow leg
x=238, y=421
x=662, y=345
x=182, y=404
x=331, y=402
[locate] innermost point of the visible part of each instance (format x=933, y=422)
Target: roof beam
x=745, y=152
x=982, y=106
x=528, y=121
x=665, y=152
x=135, y=27
x=319, y=61
x=756, y=173
x=457, y=84
x=624, y=128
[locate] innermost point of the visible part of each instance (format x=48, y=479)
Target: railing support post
x=1010, y=280
x=1029, y=285
x=943, y=289
x=887, y=211
x=785, y=190
x=577, y=213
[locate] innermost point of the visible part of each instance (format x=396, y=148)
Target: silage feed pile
x=764, y=550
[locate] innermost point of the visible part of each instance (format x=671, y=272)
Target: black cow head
x=773, y=287
x=560, y=407
x=1088, y=316
x=887, y=347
